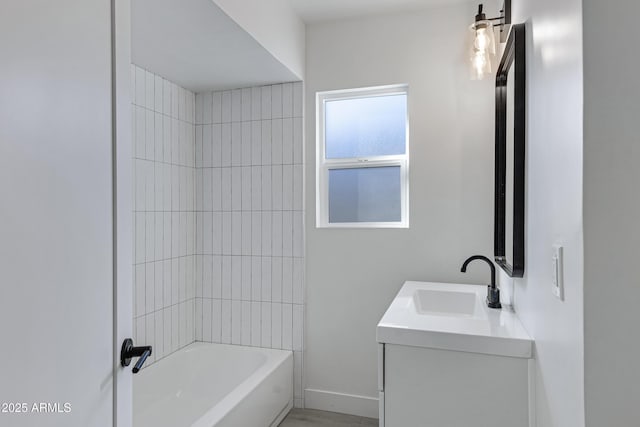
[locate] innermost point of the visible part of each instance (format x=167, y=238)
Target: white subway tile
x=266, y=102
x=199, y=107
x=149, y=144
x=266, y=291
x=157, y=99
x=297, y=99
x=175, y=282
x=256, y=278
x=276, y=141
x=166, y=139
x=226, y=276
x=256, y=103
x=166, y=235
x=149, y=287
x=158, y=282
x=287, y=141
x=287, y=233
x=149, y=90
x=256, y=233
x=216, y=107
x=298, y=234
x=236, y=233
x=276, y=325
x=158, y=139
x=298, y=141
x=216, y=273
x=267, y=225
x=207, y=191
x=183, y=324
x=265, y=311
x=236, y=144
x=140, y=330
x=236, y=322
x=166, y=329
x=246, y=144
x=236, y=278
x=236, y=105
x=217, y=233
x=298, y=327
x=227, y=233
x=225, y=321
x=287, y=100
x=199, y=323
x=246, y=104
x=266, y=141
x=216, y=145
x=166, y=97
x=159, y=235
x=207, y=276
x=216, y=320
x=207, y=108
x=150, y=334
x=276, y=187
x=150, y=236
x=256, y=143
x=276, y=233
x=276, y=101
x=226, y=189
x=297, y=187
x=158, y=345
x=245, y=334
x=246, y=188
x=256, y=318
x=246, y=278
x=207, y=146
x=206, y=320
x=287, y=326
x=267, y=196
x=166, y=280
x=226, y=144
x=287, y=187
x=140, y=87
x=226, y=107
x=199, y=275
x=140, y=132
x=276, y=279
x=150, y=190
x=236, y=189
x=246, y=233
x=199, y=157
x=287, y=279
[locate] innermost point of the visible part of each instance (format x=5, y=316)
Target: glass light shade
x=482, y=48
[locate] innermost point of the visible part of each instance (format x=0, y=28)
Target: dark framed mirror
x=509, y=232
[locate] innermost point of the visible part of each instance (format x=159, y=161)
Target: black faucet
x=128, y=352
x=493, y=293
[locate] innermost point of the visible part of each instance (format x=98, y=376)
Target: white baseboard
x=352, y=404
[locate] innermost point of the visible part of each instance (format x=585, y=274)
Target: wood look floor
x=313, y=418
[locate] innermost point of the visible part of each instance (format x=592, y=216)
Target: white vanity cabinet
x=451, y=361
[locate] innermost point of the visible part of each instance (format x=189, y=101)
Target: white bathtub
x=206, y=385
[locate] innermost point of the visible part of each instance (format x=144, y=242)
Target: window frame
x=324, y=165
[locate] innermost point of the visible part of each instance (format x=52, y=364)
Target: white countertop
x=480, y=330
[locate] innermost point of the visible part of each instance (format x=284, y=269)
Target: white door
x=58, y=331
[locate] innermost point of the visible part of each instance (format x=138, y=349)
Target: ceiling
x=196, y=45
x=323, y=10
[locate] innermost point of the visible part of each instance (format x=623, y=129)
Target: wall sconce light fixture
x=482, y=39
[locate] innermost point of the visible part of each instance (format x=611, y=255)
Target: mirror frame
x=514, y=51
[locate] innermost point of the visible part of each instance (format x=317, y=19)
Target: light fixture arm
x=504, y=18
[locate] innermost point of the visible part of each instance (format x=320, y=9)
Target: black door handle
x=128, y=352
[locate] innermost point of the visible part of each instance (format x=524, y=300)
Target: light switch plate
x=557, y=272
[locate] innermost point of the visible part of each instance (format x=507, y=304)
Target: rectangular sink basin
x=444, y=303
x=455, y=317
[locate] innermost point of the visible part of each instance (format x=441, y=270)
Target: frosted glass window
x=365, y=195
x=363, y=158
x=365, y=127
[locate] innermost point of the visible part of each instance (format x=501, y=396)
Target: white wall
x=352, y=275
x=611, y=212
x=164, y=217
x=554, y=206
x=275, y=25
x=249, y=212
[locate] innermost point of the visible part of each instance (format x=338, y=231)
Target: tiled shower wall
x=249, y=219
x=164, y=213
